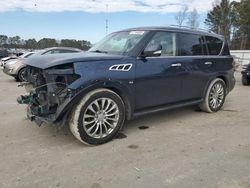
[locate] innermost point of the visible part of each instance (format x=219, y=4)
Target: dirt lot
x=180, y=148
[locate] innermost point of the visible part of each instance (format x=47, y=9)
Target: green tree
x=85, y=45
x=81, y=44
x=3, y=39
x=46, y=43
x=14, y=42
x=221, y=18
x=31, y=44
x=243, y=23
x=17, y=42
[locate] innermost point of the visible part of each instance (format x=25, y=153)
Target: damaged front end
x=48, y=93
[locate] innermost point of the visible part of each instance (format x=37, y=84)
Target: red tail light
x=234, y=65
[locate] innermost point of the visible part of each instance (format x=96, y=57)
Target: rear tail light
x=234, y=65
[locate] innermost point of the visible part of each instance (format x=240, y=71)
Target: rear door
x=218, y=60
x=192, y=51
x=202, y=60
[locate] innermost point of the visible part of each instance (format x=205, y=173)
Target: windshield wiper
x=99, y=51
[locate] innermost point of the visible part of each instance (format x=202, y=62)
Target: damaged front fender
x=48, y=92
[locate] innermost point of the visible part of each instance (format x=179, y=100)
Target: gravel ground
x=178, y=148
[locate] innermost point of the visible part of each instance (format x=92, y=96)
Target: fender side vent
x=121, y=67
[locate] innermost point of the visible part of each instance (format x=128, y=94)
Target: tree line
x=17, y=42
x=227, y=17
x=232, y=20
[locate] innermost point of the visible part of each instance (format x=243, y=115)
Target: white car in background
x=17, y=69
x=13, y=58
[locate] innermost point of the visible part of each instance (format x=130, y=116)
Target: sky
x=86, y=19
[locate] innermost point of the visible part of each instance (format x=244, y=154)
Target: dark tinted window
x=68, y=51
x=214, y=45
x=190, y=45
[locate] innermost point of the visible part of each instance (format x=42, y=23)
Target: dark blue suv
x=129, y=73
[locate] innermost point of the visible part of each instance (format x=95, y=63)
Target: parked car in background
x=14, y=65
x=245, y=78
x=4, y=53
x=17, y=68
x=129, y=73
x=7, y=59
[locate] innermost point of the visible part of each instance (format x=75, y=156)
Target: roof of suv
x=176, y=29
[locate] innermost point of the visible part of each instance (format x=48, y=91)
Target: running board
x=167, y=107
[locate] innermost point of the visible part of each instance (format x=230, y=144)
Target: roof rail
x=191, y=28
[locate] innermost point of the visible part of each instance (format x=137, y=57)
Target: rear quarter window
x=190, y=45
x=214, y=45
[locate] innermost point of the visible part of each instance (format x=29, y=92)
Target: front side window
x=67, y=51
x=190, y=45
x=119, y=43
x=214, y=45
x=56, y=52
x=166, y=40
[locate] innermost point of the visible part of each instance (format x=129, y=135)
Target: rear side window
x=190, y=45
x=214, y=45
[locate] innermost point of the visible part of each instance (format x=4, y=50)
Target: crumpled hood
x=51, y=60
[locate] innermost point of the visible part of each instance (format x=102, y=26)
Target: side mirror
x=152, y=51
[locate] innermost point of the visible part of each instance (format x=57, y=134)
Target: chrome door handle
x=208, y=63
x=176, y=65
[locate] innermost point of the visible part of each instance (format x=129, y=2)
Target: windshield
x=119, y=43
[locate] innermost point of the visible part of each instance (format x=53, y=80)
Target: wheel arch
x=125, y=99
x=118, y=88
x=221, y=76
x=224, y=78
x=22, y=66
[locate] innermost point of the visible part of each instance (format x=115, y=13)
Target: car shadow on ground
x=64, y=134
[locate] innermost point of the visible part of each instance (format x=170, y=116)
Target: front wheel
x=215, y=96
x=98, y=117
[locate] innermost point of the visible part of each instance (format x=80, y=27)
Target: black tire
x=16, y=78
x=21, y=75
x=208, y=105
x=244, y=81
x=78, y=126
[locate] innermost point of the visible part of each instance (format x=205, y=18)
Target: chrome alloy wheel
x=101, y=117
x=216, y=95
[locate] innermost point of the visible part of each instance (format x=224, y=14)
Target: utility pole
x=107, y=21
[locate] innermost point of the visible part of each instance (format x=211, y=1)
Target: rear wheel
x=98, y=117
x=215, y=96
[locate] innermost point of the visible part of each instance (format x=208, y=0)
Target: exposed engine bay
x=48, y=91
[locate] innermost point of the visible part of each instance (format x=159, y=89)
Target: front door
x=158, y=79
